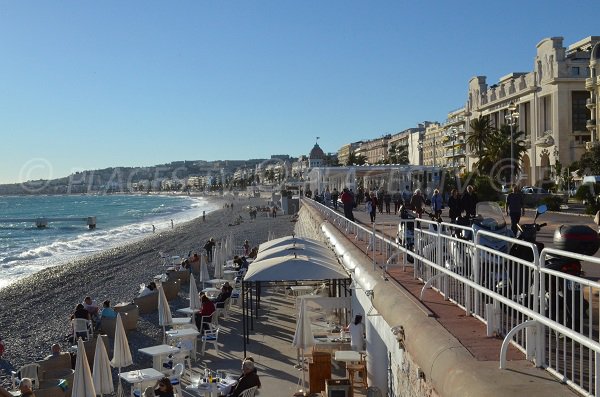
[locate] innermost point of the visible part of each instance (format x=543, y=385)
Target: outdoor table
x=188, y=337
x=299, y=290
x=217, y=281
x=211, y=292
x=142, y=377
x=223, y=387
x=157, y=353
x=332, y=343
x=348, y=356
x=187, y=310
x=180, y=322
x=229, y=274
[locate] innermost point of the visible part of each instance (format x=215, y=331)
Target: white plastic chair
x=223, y=308
x=210, y=336
x=81, y=326
x=175, y=378
x=26, y=371
x=249, y=392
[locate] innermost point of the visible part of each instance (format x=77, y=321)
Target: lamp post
x=512, y=117
x=454, y=132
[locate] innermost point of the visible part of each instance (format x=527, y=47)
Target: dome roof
x=316, y=153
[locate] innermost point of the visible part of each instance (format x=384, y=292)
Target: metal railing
x=552, y=316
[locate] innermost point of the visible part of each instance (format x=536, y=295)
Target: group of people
x=89, y=310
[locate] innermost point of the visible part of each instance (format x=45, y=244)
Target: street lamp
x=512, y=118
x=454, y=132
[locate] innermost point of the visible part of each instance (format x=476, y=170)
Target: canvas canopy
x=318, y=252
x=289, y=240
x=294, y=267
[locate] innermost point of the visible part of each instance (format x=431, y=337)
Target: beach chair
x=81, y=328
x=251, y=392
x=26, y=371
x=211, y=336
x=176, y=376
x=222, y=308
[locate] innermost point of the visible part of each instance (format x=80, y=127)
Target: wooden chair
x=359, y=368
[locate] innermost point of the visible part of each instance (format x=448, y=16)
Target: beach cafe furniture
x=201, y=387
x=211, y=336
x=355, y=364
x=82, y=328
x=181, y=322
x=158, y=353
x=211, y=292
x=147, y=303
x=186, y=336
x=129, y=315
x=139, y=379
x=171, y=288
x=175, y=378
x=183, y=275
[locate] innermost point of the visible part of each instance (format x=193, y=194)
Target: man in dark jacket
x=469, y=202
x=514, y=208
x=210, y=244
x=348, y=202
x=248, y=379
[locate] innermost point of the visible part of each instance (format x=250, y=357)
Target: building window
x=575, y=71
x=580, y=113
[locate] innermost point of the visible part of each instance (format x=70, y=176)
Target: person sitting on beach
x=26, y=388
x=248, y=379
x=91, y=306
x=225, y=293
x=107, y=311
x=80, y=312
x=206, y=310
x=253, y=253
x=148, y=289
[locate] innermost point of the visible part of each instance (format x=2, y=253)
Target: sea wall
x=430, y=361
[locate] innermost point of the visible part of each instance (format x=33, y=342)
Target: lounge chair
x=171, y=288
x=133, y=314
x=147, y=303
x=182, y=275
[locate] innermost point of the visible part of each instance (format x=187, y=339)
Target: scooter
x=562, y=300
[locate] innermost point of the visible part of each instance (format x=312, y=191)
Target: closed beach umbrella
x=204, y=277
x=303, y=338
x=194, y=298
x=83, y=384
x=164, y=311
x=219, y=259
x=102, y=375
x=121, y=352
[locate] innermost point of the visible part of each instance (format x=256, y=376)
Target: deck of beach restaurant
x=286, y=314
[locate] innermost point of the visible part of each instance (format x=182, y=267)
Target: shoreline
x=36, y=309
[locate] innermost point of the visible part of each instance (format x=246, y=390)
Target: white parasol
x=194, y=298
x=164, y=311
x=303, y=338
x=102, y=376
x=203, y=277
x=83, y=384
x=121, y=352
x=219, y=259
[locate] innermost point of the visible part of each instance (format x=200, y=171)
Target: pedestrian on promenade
x=348, y=203
x=514, y=208
x=334, y=198
x=469, y=202
x=417, y=202
x=436, y=203
x=204, y=216
x=397, y=199
x=372, y=207
x=387, y=200
x=454, y=206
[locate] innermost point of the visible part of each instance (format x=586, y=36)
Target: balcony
x=590, y=124
x=598, y=80
x=589, y=84
x=590, y=103
x=590, y=145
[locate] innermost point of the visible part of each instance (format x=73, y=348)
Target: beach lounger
x=147, y=303
x=133, y=314
x=171, y=288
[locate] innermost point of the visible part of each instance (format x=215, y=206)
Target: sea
x=26, y=249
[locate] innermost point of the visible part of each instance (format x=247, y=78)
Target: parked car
x=533, y=190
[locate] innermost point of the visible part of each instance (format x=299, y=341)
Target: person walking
x=334, y=198
x=348, y=203
x=372, y=207
x=515, y=206
x=387, y=200
x=436, y=203
x=469, y=202
x=397, y=199
x=417, y=202
x=454, y=206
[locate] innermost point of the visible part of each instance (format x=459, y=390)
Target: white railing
x=558, y=332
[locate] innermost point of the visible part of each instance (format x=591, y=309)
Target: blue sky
x=93, y=84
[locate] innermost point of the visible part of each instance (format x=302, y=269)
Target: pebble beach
x=35, y=311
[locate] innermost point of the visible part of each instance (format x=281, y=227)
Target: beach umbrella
x=203, y=277
x=121, y=352
x=194, y=298
x=303, y=338
x=219, y=259
x=102, y=374
x=83, y=384
x=164, y=311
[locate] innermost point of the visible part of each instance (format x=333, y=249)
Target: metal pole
x=512, y=148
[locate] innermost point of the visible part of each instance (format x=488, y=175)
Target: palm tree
x=398, y=154
x=494, y=158
x=480, y=130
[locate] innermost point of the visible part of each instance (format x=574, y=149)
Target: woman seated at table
x=248, y=379
x=206, y=310
x=163, y=388
x=225, y=293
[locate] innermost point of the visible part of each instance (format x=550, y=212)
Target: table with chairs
x=158, y=353
x=139, y=379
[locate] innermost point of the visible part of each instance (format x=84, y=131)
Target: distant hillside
x=124, y=179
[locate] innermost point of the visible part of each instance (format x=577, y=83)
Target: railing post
x=439, y=258
x=373, y=242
